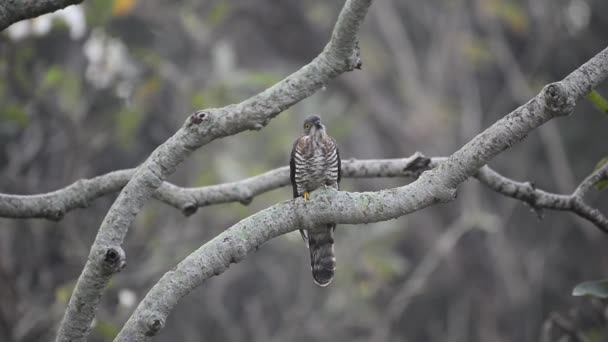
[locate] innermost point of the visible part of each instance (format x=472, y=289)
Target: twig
x=539, y=199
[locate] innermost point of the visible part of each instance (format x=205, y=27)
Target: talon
x=306, y=196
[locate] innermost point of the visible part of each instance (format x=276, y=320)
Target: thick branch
x=327, y=206
x=14, y=11
x=340, y=55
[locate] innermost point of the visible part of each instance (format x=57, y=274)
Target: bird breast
x=316, y=165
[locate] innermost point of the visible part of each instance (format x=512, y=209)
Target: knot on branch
x=153, y=323
x=419, y=163
x=114, y=260
x=530, y=198
x=197, y=117
x=256, y=126
x=189, y=209
x=246, y=200
x=56, y=215
x=239, y=250
x=557, y=99
x=246, y=196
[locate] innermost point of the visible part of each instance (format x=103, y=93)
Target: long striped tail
x=322, y=258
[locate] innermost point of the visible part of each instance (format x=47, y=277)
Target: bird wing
x=339, y=164
x=292, y=178
x=292, y=168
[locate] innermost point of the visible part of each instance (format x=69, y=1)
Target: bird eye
x=306, y=126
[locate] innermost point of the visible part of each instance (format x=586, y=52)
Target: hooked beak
x=318, y=124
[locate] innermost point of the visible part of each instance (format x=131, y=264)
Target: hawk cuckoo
x=315, y=163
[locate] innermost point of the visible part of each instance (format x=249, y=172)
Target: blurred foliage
x=512, y=13
x=127, y=124
x=476, y=51
x=432, y=78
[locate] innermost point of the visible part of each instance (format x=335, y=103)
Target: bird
x=315, y=163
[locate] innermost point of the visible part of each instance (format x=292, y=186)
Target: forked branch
x=340, y=55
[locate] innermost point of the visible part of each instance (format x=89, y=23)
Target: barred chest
x=316, y=165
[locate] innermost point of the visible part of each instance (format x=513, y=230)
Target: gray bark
x=12, y=11
x=56, y=204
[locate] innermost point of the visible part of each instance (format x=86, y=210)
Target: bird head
x=313, y=126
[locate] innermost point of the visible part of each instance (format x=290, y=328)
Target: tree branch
x=14, y=11
x=539, y=199
x=331, y=206
x=56, y=204
x=340, y=55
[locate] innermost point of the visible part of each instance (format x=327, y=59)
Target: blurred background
x=97, y=87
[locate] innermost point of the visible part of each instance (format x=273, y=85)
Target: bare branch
x=340, y=55
x=331, y=206
x=55, y=204
x=539, y=199
x=14, y=11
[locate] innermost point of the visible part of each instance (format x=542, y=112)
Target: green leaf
x=595, y=288
x=598, y=100
x=602, y=184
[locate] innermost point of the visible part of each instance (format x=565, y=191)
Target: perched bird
x=315, y=162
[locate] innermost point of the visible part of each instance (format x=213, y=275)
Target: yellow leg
x=306, y=196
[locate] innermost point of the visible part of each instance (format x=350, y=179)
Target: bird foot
x=306, y=195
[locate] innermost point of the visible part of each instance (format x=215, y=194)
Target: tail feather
x=322, y=258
